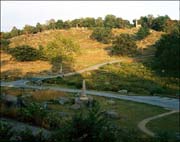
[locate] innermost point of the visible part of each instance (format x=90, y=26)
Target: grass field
x=167, y=124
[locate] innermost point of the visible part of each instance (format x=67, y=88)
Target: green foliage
x=5, y=131
x=25, y=53
x=142, y=33
x=39, y=27
x=4, y=43
x=33, y=112
x=59, y=24
x=87, y=127
x=29, y=29
x=103, y=35
x=124, y=44
x=147, y=20
x=110, y=21
x=14, y=32
x=61, y=50
x=159, y=23
x=167, y=53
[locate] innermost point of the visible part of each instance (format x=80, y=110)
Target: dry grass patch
x=44, y=95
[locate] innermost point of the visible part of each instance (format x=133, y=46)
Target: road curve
x=142, y=124
x=165, y=102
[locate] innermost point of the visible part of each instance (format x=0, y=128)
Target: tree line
x=159, y=23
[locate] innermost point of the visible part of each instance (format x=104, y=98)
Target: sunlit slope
x=92, y=52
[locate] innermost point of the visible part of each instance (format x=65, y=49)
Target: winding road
x=165, y=102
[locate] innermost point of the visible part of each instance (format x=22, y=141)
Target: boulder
x=63, y=114
x=63, y=100
x=112, y=114
x=111, y=102
x=75, y=106
x=9, y=100
x=123, y=92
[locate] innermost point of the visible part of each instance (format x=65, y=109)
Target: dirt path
x=142, y=124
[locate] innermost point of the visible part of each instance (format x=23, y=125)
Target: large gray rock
x=112, y=114
x=63, y=114
x=112, y=102
x=123, y=91
x=9, y=99
x=75, y=106
x=63, y=100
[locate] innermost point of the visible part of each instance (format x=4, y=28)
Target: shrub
x=4, y=44
x=5, y=131
x=167, y=53
x=89, y=127
x=25, y=53
x=124, y=44
x=142, y=33
x=103, y=35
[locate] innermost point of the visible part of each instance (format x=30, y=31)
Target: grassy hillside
x=92, y=52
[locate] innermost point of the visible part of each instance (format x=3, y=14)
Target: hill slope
x=92, y=52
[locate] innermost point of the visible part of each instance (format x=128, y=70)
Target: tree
x=124, y=44
x=167, y=53
x=67, y=24
x=14, y=32
x=29, y=29
x=103, y=35
x=99, y=22
x=146, y=21
x=59, y=24
x=51, y=24
x=61, y=51
x=88, y=22
x=39, y=27
x=159, y=23
x=110, y=21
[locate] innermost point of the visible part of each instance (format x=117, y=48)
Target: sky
x=20, y=13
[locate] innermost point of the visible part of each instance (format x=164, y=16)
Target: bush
x=103, y=35
x=5, y=131
x=167, y=53
x=89, y=127
x=142, y=33
x=124, y=44
x=4, y=44
x=25, y=53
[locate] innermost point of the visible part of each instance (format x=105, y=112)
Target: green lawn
x=169, y=124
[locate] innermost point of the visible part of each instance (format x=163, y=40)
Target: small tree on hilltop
x=124, y=44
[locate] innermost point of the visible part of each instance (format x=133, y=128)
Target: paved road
x=142, y=124
x=169, y=103
x=165, y=102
